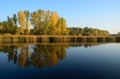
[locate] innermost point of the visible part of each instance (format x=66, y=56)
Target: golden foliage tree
x=21, y=20
x=53, y=20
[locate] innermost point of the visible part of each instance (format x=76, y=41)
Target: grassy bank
x=55, y=39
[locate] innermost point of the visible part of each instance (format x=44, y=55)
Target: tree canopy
x=44, y=23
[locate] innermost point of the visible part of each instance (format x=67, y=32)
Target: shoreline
x=56, y=39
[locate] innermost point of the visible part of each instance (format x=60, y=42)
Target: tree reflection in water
x=38, y=55
x=47, y=55
x=41, y=56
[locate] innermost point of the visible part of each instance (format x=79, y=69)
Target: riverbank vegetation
x=47, y=26
x=44, y=23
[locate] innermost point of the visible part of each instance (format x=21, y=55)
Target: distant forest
x=43, y=23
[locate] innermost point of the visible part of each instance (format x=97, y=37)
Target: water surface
x=60, y=61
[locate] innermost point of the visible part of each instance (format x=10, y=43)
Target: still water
x=60, y=61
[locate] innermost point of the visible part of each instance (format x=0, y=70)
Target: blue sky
x=102, y=14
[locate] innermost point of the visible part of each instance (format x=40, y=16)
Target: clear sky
x=102, y=14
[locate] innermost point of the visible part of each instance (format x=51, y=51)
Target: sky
x=101, y=14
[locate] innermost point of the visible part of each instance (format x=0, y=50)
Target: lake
x=60, y=61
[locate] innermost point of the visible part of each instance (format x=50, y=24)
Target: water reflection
x=38, y=55
x=47, y=55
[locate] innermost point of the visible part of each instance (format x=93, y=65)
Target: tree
x=27, y=22
x=53, y=21
x=37, y=20
x=41, y=18
x=21, y=19
x=61, y=27
x=5, y=27
x=11, y=25
x=34, y=21
x=15, y=19
x=47, y=22
x=86, y=31
x=44, y=23
x=54, y=18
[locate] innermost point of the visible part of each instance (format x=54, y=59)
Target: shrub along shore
x=56, y=39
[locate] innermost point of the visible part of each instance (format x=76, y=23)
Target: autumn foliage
x=44, y=23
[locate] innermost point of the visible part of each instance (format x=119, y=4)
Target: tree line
x=43, y=23
x=87, y=31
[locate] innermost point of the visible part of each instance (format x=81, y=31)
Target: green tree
x=5, y=27
x=61, y=27
x=11, y=25
x=64, y=30
x=47, y=22
x=15, y=19
x=86, y=31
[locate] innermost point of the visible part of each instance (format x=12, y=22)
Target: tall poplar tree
x=21, y=20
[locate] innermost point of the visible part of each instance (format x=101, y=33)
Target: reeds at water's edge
x=54, y=39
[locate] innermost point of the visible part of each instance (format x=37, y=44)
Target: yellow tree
x=21, y=20
x=53, y=20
